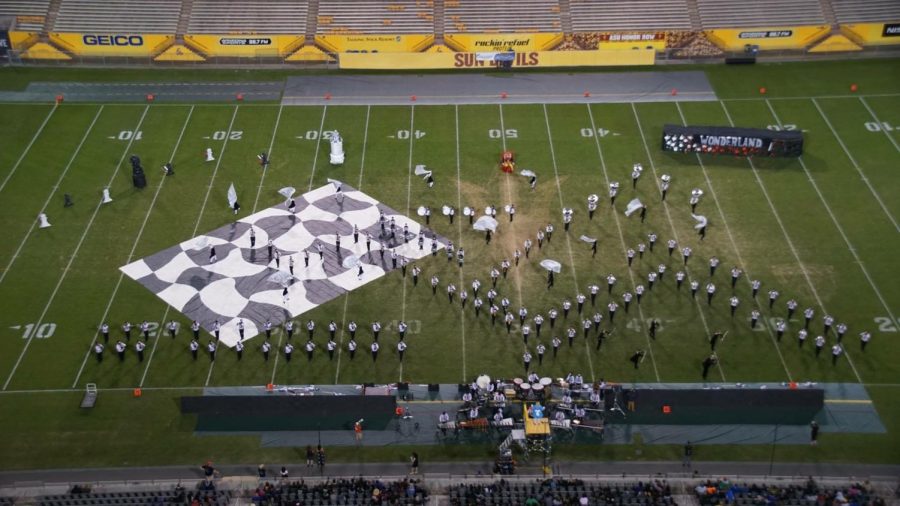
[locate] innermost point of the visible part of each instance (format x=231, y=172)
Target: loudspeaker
x=402, y=386
x=740, y=60
x=434, y=387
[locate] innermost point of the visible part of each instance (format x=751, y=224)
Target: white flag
x=701, y=221
x=526, y=172
x=232, y=195
x=633, y=206
x=287, y=192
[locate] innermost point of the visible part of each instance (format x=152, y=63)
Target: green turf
x=767, y=218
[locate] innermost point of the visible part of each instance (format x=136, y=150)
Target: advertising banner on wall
x=5, y=44
x=797, y=37
x=490, y=59
x=519, y=42
x=111, y=44
x=251, y=46
x=374, y=43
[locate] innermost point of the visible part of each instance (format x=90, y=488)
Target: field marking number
x=44, y=331
x=783, y=128
x=885, y=324
x=509, y=133
x=404, y=134
x=234, y=135
x=127, y=135
x=588, y=132
x=878, y=127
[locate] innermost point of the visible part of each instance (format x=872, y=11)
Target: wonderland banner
x=731, y=140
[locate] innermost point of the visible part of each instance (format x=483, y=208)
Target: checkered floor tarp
x=244, y=282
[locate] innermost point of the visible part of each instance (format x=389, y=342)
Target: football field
x=821, y=229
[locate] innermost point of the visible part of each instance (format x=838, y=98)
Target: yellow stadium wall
x=796, y=37
x=374, y=43
x=873, y=34
x=244, y=46
x=473, y=42
x=22, y=40
x=111, y=44
x=533, y=59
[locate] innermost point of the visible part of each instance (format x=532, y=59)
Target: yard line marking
x=462, y=314
x=509, y=197
x=668, y=217
x=28, y=147
x=318, y=145
x=203, y=208
x=622, y=236
x=362, y=165
x=196, y=227
x=130, y=256
x=265, y=169
x=872, y=113
x=53, y=190
x=311, y=176
x=569, y=241
x=77, y=248
x=409, y=169
x=856, y=166
x=747, y=277
x=846, y=240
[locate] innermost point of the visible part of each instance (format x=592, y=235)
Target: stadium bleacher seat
x=248, y=16
x=117, y=16
x=370, y=16
x=862, y=11
x=629, y=15
x=759, y=14
x=30, y=14
x=501, y=16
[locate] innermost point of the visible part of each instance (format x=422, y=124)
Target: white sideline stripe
x=311, y=176
x=857, y=167
x=77, y=248
x=318, y=145
x=846, y=240
x=265, y=169
x=53, y=190
x=28, y=147
x=409, y=169
x=130, y=256
x=462, y=315
x=200, y=216
x=872, y=113
x=562, y=204
x=622, y=235
x=362, y=164
x=747, y=277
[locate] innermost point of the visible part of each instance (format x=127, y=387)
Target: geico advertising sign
x=110, y=44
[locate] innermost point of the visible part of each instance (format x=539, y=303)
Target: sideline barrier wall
x=796, y=37
x=523, y=42
x=223, y=45
x=374, y=43
x=598, y=58
x=873, y=34
x=111, y=44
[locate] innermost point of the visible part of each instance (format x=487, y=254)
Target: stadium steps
x=694, y=12
x=312, y=20
x=438, y=21
x=52, y=14
x=565, y=16
x=184, y=18
x=830, y=16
